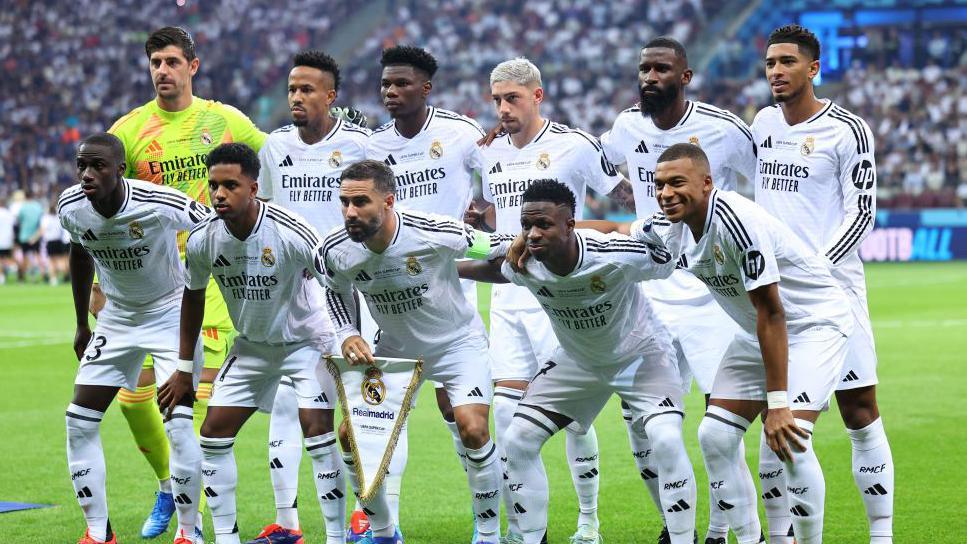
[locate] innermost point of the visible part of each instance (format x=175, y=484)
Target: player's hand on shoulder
x=492, y=134
x=782, y=433
x=356, y=351
x=82, y=337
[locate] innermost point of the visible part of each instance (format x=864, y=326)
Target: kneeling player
x=794, y=319
x=403, y=265
x=261, y=257
x=610, y=342
x=126, y=230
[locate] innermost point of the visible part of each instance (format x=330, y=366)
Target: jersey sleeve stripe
x=65, y=202
x=171, y=195
x=429, y=221
x=454, y=117
x=848, y=242
x=859, y=132
x=727, y=117
x=561, y=129
x=331, y=242
x=740, y=228
x=337, y=308
x=294, y=221
x=299, y=230
x=818, y=115
x=156, y=201
x=456, y=231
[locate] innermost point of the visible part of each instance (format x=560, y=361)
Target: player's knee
x=474, y=432
x=523, y=440
x=708, y=438
x=858, y=407
x=665, y=435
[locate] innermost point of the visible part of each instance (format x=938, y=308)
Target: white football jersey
x=743, y=248
x=434, y=169
x=135, y=251
x=558, y=152
x=412, y=288
x=267, y=279
x=819, y=178
x=305, y=178
x=7, y=221
x=599, y=307
x=634, y=140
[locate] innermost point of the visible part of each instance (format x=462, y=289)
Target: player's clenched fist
x=356, y=351
x=81, y=339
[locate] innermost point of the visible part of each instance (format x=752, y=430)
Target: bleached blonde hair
x=519, y=70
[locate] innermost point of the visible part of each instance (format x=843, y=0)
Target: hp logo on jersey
x=864, y=175
x=754, y=264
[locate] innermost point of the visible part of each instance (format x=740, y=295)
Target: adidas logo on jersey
x=802, y=398
x=287, y=161
x=390, y=161
x=496, y=169
x=642, y=148
x=221, y=261
x=321, y=398
x=545, y=292
x=363, y=276
x=851, y=377
x=767, y=143
x=475, y=392
x=89, y=236
x=667, y=403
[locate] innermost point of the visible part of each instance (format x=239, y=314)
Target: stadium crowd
x=71, y=69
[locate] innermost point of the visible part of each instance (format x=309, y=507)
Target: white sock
x=719, y=436
x=642, y=452
x=185, y=466
x=504, y=405
x=394, y=477
x=772, y=477
x=221, y=478
x=807, y=490
x=873, y=473
x=457, y=443
x=285, y=455
x=527, y=480
x=582, y=459
x=381, y=520
x=718, y=523
x=675, y=473
x=330, y=481
x=485, y=479
x=85, y=461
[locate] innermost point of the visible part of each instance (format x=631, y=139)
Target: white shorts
x=520, y=339
x=463, y=370
x=860, y=367
x=815, y=361
x=649, y=385
x=122, y=339
x=700, y=335
x=252, y=371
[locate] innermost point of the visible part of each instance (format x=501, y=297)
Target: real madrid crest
x=373, y=389
x=436, y=149
x=335, y=159
x=267, y=258
x=206, y=137
x=717, y=253
x=693, y=140
x=808, y=146
x=544, y=161
x=135, y=230
x=413, y=266
x=597, y=285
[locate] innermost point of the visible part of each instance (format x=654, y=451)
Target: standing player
x=166, y=142
x=126, y=231
x=300, y=167
x=536, y=148
x=433, y=154
x=610, y=342
x=700, y=329
x=795, y=322
x=402, y=263
x=7, y=219
x=261, y=257
x=817, y=174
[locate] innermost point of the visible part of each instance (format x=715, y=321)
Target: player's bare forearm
x=624, y=195
x=82, y=278
x=485, y=271
x=606, y=227
x=192, y=313
x=772, y=335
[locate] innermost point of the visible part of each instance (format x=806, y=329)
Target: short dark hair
x=799, y=35
x=383, y=178
x=108, y=140
x=670, y=43
x=685, y=151
x=409, y=55
x=549, y=190
x=236, y=153
x=314, y=58
x=171, y=35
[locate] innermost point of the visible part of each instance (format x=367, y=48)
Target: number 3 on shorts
x=98, y=342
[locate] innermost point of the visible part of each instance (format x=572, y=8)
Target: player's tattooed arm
x=624, y=195
x=82, y=278
x=485, y=271
x=782, y=433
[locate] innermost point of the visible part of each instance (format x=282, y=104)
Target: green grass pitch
x=920, y=317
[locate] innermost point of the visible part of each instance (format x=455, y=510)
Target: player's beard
x=656, y=103
x=367, y=229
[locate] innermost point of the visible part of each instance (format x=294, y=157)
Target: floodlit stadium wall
x=926, y=235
